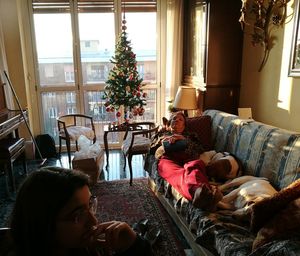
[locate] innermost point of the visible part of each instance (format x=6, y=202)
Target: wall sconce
x=186, y=99
x=262, y=16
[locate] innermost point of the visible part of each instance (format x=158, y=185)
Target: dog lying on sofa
x=250, y=190
x=221, y=166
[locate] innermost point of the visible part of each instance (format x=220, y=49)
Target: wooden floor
x=115, y=170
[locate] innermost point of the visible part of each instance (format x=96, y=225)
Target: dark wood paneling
x=225, y=42
x=223, y=54
x=222, y=98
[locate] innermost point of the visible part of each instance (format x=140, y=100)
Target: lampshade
x=186, y=98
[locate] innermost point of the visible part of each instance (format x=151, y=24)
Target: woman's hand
x=173, y=138
x=114, y=236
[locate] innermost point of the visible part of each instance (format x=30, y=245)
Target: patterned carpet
x=119, y=201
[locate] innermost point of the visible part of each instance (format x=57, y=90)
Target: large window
x=75, y=41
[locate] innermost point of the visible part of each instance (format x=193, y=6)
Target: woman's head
x=177, y=122
x=45, y=210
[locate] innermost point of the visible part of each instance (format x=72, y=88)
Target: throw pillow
x=264, y=210
x=201, y=125
x=283, y=225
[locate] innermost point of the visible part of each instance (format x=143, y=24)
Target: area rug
x=117, y=200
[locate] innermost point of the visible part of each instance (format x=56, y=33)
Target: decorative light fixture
x=263, y=16
x=186, y=98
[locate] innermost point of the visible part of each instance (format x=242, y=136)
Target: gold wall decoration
x=263, y=16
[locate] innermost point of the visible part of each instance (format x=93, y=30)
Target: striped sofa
x=265, y=151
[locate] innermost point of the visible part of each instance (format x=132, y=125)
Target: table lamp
x=186, y=99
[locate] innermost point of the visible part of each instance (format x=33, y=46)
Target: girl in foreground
x=54, y=215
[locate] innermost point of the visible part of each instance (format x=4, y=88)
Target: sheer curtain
x=3, y=66
x=174, y=49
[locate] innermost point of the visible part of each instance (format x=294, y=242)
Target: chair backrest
x=140, y=126
x=138, y=141
x=74, y=120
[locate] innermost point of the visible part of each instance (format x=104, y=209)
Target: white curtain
x=174, y=47
x=3, y=66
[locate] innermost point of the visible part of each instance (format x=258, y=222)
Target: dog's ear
x=165, y=121
x=165, y=124
x=219, y=169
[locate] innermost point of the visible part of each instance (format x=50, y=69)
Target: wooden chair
x=10, y=150
x=137, y=140
x=70, y=127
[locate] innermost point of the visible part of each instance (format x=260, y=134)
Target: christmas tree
x=124, y=86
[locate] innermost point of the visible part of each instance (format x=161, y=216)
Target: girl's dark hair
x=40, y=198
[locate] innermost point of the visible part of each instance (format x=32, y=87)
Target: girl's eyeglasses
x=81, y=215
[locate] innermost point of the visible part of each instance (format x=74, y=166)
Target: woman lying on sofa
x=182, y=163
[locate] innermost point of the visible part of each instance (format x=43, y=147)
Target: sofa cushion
x=201, y=125
x=222, y=134
x=75, y=132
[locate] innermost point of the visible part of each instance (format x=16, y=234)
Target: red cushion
x=202, y=126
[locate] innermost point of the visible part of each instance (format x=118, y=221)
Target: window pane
x=96, y=45
x=141, y=29
x=54, y=49
x=55, y=104
x=94, y=106
x=199, y=41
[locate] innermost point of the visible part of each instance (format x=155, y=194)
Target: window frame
x=80, y=88
x=293, y=70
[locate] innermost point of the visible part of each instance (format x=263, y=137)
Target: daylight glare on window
x=53, y=35
x=143, y=41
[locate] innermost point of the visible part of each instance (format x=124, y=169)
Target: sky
x=54, y=36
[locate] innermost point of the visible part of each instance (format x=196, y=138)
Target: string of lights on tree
x=124, y=85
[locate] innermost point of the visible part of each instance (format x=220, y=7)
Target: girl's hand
x=114, y=236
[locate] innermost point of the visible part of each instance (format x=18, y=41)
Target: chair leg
x=130, y=168
x=69, y=151
x=59, y=151
x=76, y=143
x=124, y=156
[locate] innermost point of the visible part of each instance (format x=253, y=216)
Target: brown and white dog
x=249, y=191
x=221, y=166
